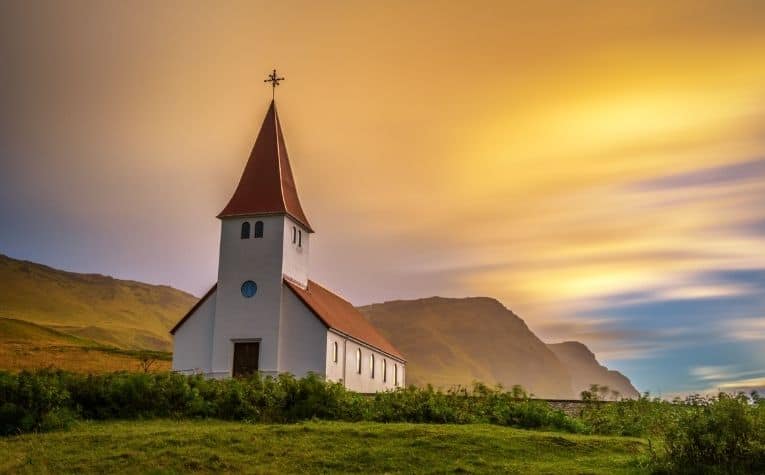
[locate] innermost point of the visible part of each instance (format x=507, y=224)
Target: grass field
x=165, y=446
x=26, y=345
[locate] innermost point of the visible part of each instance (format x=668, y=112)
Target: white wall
x=334, y=370
x=296, y=256
x=237, y=317
x=364, y=382
x=192, y=342
x=302, y=338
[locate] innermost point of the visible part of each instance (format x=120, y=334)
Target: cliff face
x=585, y=370
x=458, y=341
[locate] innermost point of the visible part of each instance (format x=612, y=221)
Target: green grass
x=166, y=446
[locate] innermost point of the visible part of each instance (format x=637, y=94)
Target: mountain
x=585, y=369
x=458, y=341
x=119, y=313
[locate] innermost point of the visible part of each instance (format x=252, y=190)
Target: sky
x=598, y=167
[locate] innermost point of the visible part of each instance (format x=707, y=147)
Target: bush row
x=49, y=399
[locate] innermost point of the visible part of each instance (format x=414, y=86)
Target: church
x=264, y=314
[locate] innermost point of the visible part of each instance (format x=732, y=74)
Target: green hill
x=26, y=345
x=19, y=331
x=120, y=313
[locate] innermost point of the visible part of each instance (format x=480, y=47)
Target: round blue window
x=249, y=288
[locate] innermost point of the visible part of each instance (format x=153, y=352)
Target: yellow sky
x=458, y=148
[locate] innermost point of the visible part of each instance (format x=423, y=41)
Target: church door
x=246, y=358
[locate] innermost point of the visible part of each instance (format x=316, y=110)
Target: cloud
x=729, y=378
x=745, y=329
x=744, y=385
x=723, y=174
x=713, y=373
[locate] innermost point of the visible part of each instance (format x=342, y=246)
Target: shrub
x=644, y=416
x=722, y=434
x=33, y=402
x=50, y=399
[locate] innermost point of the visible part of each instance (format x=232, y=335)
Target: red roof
x=267, y=185
x=340, y=315
x=331, y=309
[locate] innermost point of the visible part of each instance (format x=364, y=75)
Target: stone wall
x=571, y=407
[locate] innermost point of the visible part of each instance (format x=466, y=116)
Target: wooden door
x=246, y=358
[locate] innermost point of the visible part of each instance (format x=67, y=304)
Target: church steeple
x=267, y=185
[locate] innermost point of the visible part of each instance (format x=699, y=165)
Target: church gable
x=193, y=310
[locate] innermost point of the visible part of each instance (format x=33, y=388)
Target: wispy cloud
x=723, y=174
x=729, y=378
x=745, y=329
x=746, y=385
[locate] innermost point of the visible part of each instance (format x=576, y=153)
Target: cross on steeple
x=274, y=79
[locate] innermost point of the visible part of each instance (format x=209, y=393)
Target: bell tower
x=265, y=237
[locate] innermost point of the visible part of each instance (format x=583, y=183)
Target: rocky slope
x=585, y=370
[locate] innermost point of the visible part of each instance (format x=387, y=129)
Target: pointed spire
x=267, y=185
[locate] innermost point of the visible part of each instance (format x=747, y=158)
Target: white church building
x=264, y=314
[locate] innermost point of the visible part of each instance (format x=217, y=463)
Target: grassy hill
x=25, y=345
x=169, y=446
x=119, y=313
x=457, y=341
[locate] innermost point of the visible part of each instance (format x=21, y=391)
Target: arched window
x=334, y=352
x=300, y=238
x=395, y=374
x=358, y=360
x=372, y=366
x=294, y=234
x=385, y=370
x=258, y=229
x=245, y=230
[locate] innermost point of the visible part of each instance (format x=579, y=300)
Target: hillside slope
x=459, y=341
x=120, y=313
x=26, y=345
x=585, y=369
